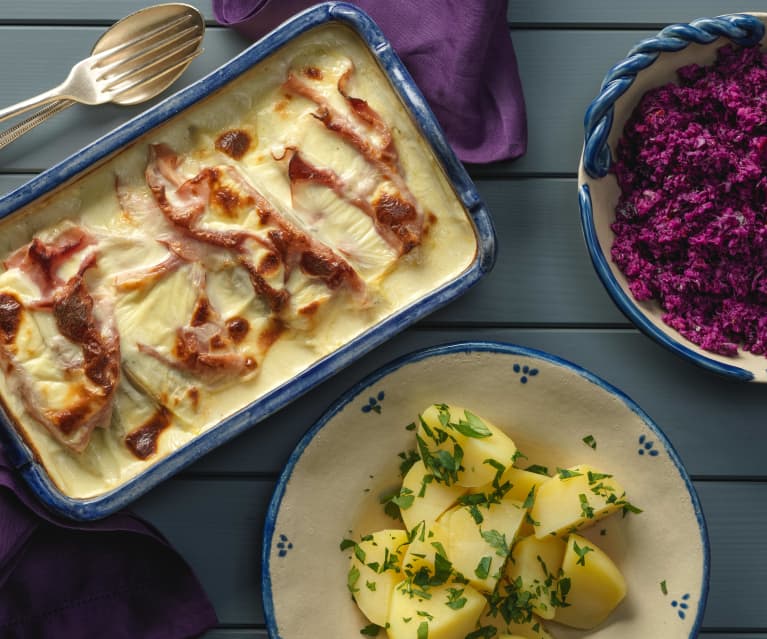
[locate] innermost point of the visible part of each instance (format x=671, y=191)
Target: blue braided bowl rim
x=743, y=29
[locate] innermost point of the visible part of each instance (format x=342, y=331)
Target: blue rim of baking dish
x=449, y=349
x=404, y=86
x=744, y=30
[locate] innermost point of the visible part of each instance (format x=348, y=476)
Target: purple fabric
x=116, y=578
x=458, y=51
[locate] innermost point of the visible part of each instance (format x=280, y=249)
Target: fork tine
x=117, y=90
x=162, y=57
x=131, y=62
x=142, y=38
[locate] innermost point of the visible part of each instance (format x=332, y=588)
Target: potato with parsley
x=427, y=551
x=533, y=568
x=422, y=499
x=450, y=438
x=575, y=498
x=596, y=585
x=480, y=538
x=521, y=622
x=445, y=611
x=490, y=548
x=375, y=570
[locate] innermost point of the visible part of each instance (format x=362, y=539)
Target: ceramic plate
x=329, y=490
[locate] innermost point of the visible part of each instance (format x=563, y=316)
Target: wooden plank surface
x=609, y=13
x=543, y=294
x=216, y=524
x=557, y=90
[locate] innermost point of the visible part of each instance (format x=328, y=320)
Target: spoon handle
x=14, y=132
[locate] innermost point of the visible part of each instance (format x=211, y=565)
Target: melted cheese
x=134, y=237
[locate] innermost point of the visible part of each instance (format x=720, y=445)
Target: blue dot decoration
x=682, y=605
x=283, y=545
x=525, y=372
x=647, y=446
x=374, y=403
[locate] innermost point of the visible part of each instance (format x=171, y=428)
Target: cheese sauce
x=219, y=256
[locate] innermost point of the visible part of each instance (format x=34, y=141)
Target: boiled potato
x=450, y=612
x=479, y=540
x=374, y=572
x=574, y=498
x=441, y=427
x=531, y=628
x=522, y=485
x=533, y=567
x=596, y=585
x=429, y=498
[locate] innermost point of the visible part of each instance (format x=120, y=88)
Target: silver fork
x=123, y=68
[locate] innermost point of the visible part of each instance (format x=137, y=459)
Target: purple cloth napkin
x=458, y=51
x=116, y=578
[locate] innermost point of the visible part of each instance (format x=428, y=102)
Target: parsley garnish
x=590, y=441
x=595, y=477
x=564, y=473
x=410, y=426
x=472, y=426
x=408, y=458
x=518, y=454
x=483, y=567
x=371, y=630
x=351, y=579
x=347, y=543
x=581, y=552
x=663, y=587
x=423, y=630
x=455, y=600
x=538, y=470
x=586, y=510
x=496, y=540
x=370, y=585
x=530, y=499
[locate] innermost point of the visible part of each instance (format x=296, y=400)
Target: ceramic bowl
x=329, y=489
x=651, y=63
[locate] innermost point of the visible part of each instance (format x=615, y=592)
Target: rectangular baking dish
x=111, y=145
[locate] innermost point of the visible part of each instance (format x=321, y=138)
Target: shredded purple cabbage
x=690, y=222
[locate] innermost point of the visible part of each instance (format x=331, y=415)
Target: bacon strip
x=225, y=187
x=94, y=378
x=396, y=210
x=393, y=218
x=206, y=347
x=41, y=261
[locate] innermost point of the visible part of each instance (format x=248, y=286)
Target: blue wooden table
x=543, y=293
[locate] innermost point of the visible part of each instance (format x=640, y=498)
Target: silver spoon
x=133, y=61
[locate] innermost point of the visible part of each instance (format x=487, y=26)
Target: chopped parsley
x=663, y=587
x=455, y=598
x=370, y=585
x=590, y=441
x=581, y=552
x=518, y=454
x=530, y=499
x=538, y=469
x=564, y=473
x=595, y=477
x=352, y=578
x=497, y=541
x=587, y=511
x=483, y=567
x=371, y=630
x=423, y=630
x=348, y=543
x=408, y=458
